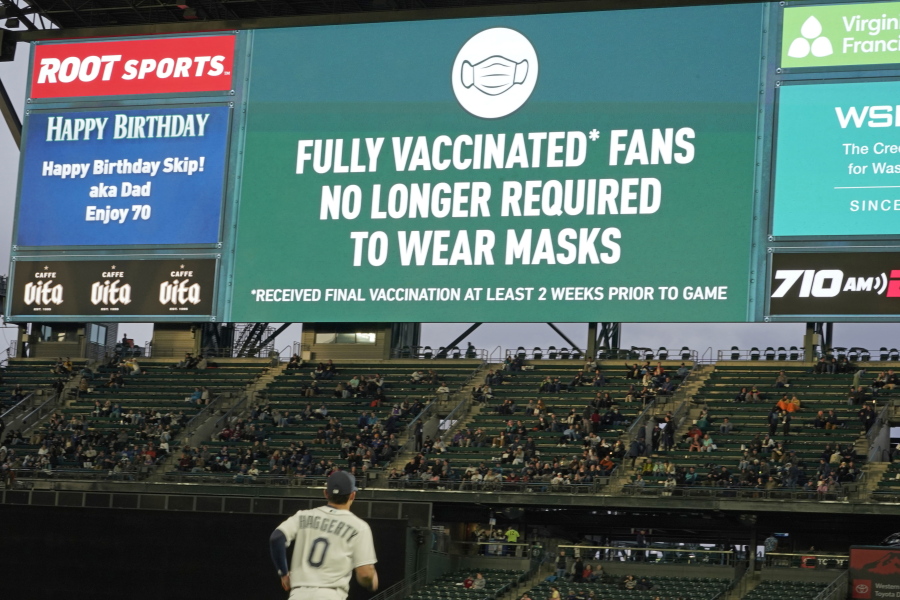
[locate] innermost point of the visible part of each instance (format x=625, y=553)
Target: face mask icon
x=494, y=75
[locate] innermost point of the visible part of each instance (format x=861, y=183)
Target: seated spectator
x=294, y=363
x=629, y=583
x=479, y=582
x=858, y=396
x=696, y=442
x=782, y=380
x=667, y=388
x=682, y=372
x=644, y=584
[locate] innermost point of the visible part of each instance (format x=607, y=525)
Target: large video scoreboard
x=722, y=163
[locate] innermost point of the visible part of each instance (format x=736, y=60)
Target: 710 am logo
x=828, y=283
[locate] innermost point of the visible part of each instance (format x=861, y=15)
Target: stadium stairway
x=748, y=581
x=681, y=402
x=470, y=411
x=542, y=572
x=254, y=388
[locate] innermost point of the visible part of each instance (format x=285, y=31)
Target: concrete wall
x=796, y=574
x=638, y=569
x=381, y=349
x=174, y=340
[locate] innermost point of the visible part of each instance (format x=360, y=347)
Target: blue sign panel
x=123, y=177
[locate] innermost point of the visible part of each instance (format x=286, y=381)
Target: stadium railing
x=652, y=554
x=634, y=353
x=439, y=353
x=806, y=560
x=792, y=354
x=704, y=491
x=238, y=479
x=520, y=487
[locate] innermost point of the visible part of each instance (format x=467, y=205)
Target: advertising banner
x=516, y=168
x=126, y=67
x=837, y=166
x=841, y=34
x=123, y=177
x=844, y=283
x=113, y=288
x=874, y=572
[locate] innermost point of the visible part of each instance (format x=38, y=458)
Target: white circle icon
x=494, y=73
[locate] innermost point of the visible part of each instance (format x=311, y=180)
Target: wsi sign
x=120, y=67
x=841, y=34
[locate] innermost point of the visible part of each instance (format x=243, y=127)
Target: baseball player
x=329, y=543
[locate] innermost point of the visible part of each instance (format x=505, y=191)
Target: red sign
x=874, y=572
x=116, y=68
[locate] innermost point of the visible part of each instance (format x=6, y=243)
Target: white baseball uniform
x=328, y=544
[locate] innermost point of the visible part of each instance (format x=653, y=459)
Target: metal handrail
x=449, y=417
x=880, y=421
x=16, y=406
x=204, y=412
x=410, y=428
x=41, y=411
x=404, y=587
x=640, y=420
x=230, y=412
x=836, y=589
x=499, y=352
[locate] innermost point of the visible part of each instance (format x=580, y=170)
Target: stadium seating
x=31, y=375
x=307, y=447
x=450, y=586
x=750, y=421
x=786, y=590
x=695, y=588
x=127, y=422
x=554, y=453
x=889, y=486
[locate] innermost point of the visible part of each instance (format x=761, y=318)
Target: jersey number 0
x=314, y=550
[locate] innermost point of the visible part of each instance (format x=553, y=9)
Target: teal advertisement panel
x=837, y=161
x=562, y=167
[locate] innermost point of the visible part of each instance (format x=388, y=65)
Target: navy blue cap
x=340, y=483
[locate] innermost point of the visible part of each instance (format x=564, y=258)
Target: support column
x=591, y=350
x=751, y=547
